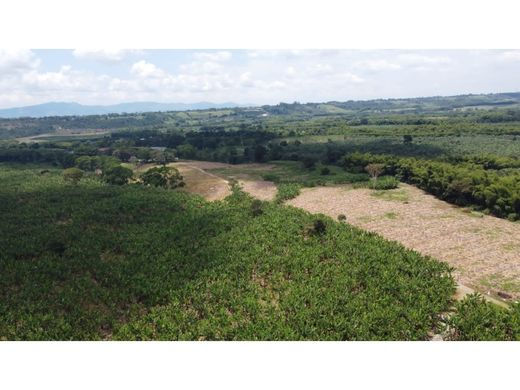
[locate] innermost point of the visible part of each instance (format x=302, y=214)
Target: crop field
x=93, y=261
x=279, y=222
x=484, y=250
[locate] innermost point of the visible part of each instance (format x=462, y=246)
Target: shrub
x=256, y=208
x=386, y=183
x=325, y=171
x=166, y=177
x=287, y=191
x=309, y=162
x=72, y=175
x=117, y=175
x=271, y=177
x=319, y=228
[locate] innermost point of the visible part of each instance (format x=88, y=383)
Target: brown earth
x=484, y=250
x=260, y=189
x=198, y=181
x=263, y=190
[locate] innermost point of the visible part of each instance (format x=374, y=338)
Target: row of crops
x=94, y=261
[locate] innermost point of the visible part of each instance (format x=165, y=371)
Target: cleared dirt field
x=263, y=190
x=247, y=176
x=201, y=182
x=484, y=250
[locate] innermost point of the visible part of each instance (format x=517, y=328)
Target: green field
x=93, y=261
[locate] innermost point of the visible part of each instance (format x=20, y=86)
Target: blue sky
x=249, y=76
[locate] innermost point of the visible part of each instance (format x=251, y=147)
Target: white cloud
x=511, y=55
x=104, y=55
x=320, y=69
x=12, y=61
x=146, y=69
x=419, y=59
x=377, y=65
x=217, y=56
x=252, y=76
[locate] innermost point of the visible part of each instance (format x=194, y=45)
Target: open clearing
x=247, y=175
x=198, y=181
x=201, y=182
x=484, y=250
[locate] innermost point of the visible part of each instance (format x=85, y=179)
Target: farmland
x=94, y=261
x=330, y=221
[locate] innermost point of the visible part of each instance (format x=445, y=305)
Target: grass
x=501, y=282
x=392, y=195
x=292, y=172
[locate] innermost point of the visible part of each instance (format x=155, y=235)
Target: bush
x=309, y=162
x=386, y=183
x=256, y=208
x=117, y=175
x=319, y=228
x=271, y=177
x=72, y=175
x=287, y=191
x=325, y=171
x=166, y=177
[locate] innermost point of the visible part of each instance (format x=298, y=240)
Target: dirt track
x=484, y=250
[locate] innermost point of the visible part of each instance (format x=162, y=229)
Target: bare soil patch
x=247, y=176
x=481, y=248
x=198, y=181
x=263, y=190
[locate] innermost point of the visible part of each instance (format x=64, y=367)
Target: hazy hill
x=64, y=109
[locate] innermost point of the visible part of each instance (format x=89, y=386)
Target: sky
x=249, y=76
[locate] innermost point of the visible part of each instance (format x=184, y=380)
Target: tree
x=186, y=151
x=407, y=139
x=166, y=177
x=259, y=153
x=325, y=171
x=72, y=175
x=374, y=170
x=123, y=155
x=117, y=175
x=309, y=162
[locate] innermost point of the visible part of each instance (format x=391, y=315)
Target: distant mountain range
x=64, y=109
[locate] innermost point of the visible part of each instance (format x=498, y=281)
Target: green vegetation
x=467, y=183
x=117, y=175
x=108, y=257
x=397, y=196
x=95, y=261
x=166, y=177
x=477, y=319
x=287, y=191
x=73, y=175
